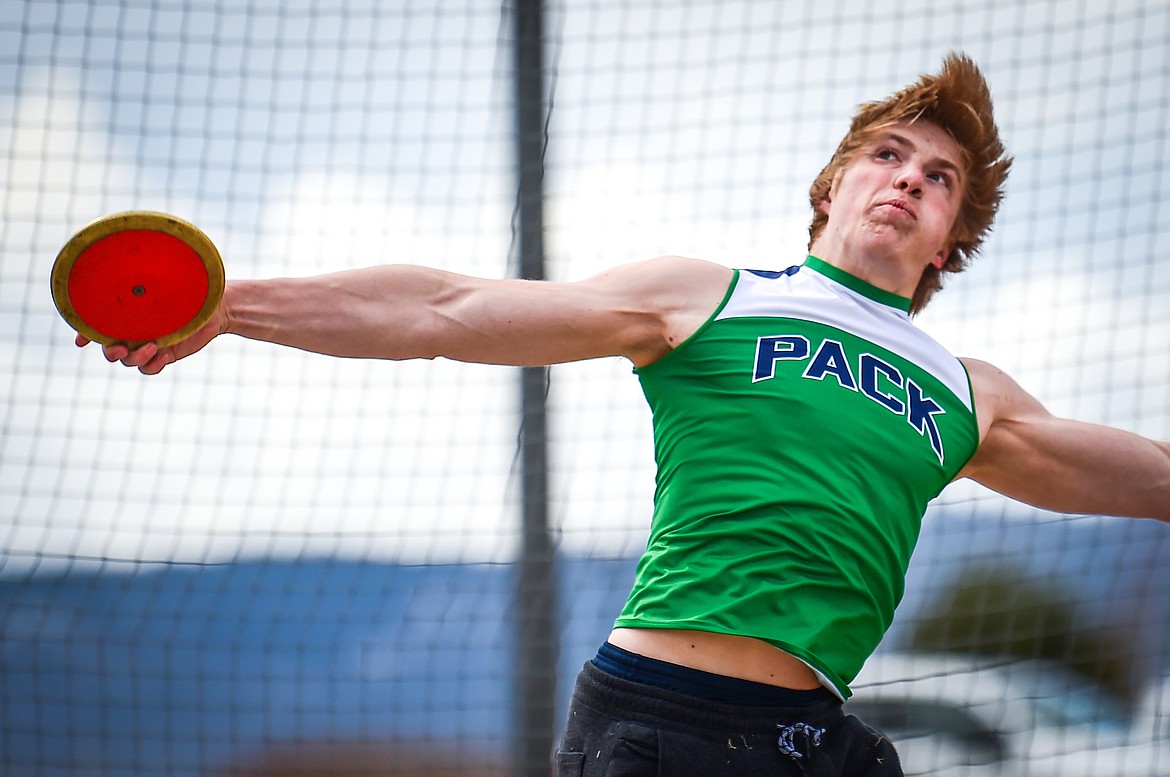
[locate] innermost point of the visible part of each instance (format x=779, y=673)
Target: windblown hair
x=957, y=100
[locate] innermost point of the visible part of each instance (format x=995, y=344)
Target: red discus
x=138, y=277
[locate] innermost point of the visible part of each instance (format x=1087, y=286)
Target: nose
x=910, y=180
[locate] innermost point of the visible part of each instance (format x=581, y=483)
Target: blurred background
x=270, y=562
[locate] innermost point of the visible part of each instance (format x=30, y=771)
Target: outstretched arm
x=640, y=311
x=1059, y=464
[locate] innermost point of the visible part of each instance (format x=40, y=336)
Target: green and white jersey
x=799, y=435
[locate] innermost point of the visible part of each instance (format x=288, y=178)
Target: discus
x=138, y=277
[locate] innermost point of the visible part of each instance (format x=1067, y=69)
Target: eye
x=887, y=154
x=940, y=177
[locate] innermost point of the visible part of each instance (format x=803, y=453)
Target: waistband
x=620, y=662
x=616, y=697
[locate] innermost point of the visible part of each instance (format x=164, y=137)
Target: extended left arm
x=1059, y=464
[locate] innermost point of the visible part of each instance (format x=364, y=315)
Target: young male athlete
x=801, y=426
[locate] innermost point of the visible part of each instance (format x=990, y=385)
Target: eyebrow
x=942, y=162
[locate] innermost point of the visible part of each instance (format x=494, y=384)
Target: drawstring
x=812, y=736
x=812, y=762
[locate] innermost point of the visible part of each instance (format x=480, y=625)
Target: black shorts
x=619, y=728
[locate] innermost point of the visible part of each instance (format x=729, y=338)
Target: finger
x=139, y=357
x=81, y=341
x=156, y=364
x=115, y=352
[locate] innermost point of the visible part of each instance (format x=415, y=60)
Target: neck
x=875, y=268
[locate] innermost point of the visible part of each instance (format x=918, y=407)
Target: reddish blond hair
x=957, y=100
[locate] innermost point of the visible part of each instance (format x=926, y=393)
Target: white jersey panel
x=810, y=296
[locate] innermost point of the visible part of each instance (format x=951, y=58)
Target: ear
x=826, y=203
x=941, y=257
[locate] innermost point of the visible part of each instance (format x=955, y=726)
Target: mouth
x=899, y=206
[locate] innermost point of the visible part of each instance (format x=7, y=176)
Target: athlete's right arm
x=640, y=311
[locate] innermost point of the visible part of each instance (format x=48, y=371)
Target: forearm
x=378, y=312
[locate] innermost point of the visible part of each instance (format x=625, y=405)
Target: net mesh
x=264, y=560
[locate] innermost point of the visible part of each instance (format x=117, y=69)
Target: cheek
x=945, y=210
x=952, y=221
x=838, y=193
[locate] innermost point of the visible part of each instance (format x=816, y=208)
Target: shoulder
x=668, y=274
x=666, y=286
x=997, y=396
x=682, y=294
x=992, y=386
x=657, y=302
x=984, y=375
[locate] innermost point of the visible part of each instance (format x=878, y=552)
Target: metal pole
x=537, y=625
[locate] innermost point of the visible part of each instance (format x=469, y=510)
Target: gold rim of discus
x=153, y=221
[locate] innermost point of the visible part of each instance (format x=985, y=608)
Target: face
x=898, y=198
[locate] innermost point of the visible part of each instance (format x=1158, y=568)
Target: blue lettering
x=921, y=416
x=875, y=378
x=831, y=360
x=770, y=350
x=871, y=366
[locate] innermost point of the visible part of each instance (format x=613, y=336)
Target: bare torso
x=723, y=654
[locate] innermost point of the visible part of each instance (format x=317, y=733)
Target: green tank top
x=799, y=435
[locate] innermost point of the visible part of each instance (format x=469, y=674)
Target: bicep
x=639, y=311
x=528, y=323
x=1052, y=463
x=1061, y=464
